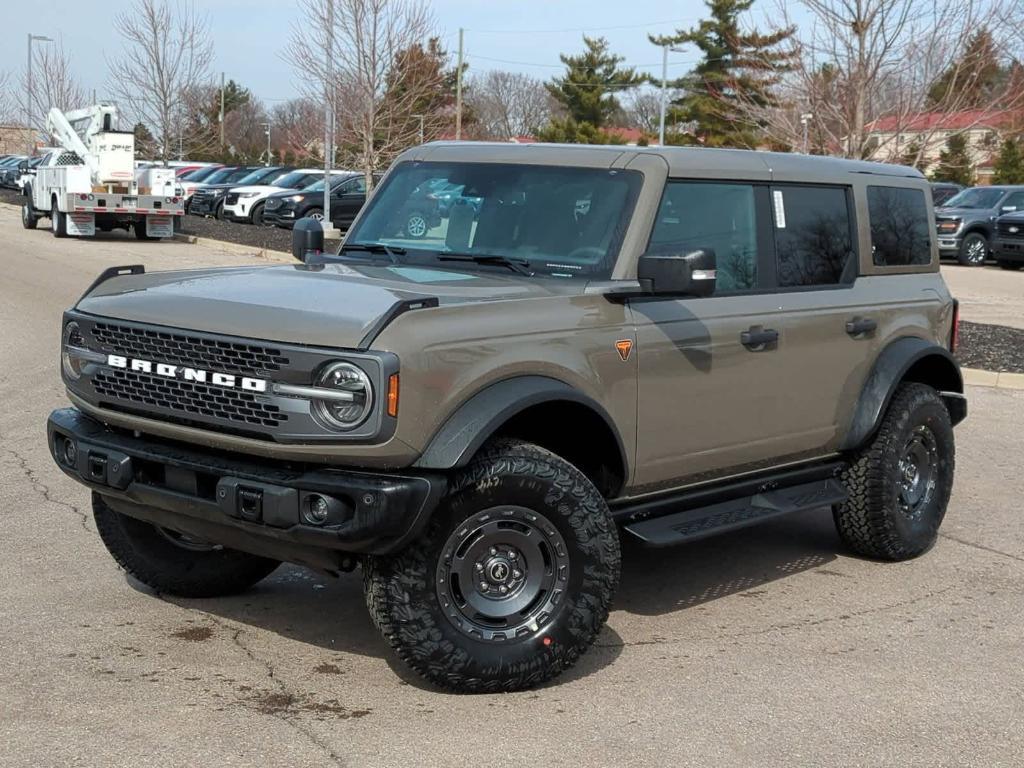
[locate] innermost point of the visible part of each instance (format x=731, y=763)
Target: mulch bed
x=273, y=238
x=991, y=347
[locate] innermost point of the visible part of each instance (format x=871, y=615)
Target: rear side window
x=813, y=236
x=900, y=235
x=696, y=215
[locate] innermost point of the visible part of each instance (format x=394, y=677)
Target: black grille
x=1005, y=227
x=193, y=351
x=187, y=397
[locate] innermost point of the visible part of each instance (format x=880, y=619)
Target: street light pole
x=329, y=114
x=805, y=120
x=664, y=88
x=30, y=143
x=266, y=130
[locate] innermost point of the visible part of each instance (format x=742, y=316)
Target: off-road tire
x=28, y=215
x=969, y=249
x=871, y=521
x=58, y=221
x=403, y=598
x=1013, y=266
x=152, y=558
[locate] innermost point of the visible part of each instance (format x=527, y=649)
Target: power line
x=563, y=66
x=577, y=29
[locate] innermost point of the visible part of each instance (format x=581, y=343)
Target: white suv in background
x=246, y=203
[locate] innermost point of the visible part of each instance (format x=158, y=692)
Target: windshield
x=563, y=222
x=319, y=185
x=976, y=197
x=225, y=175
x=201, y=174
x=293, y=180
x=259, y=176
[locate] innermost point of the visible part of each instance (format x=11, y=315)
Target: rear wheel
x=510, y=583
x=973, y=250
x=58, y=221
x=1013, y=266
x=900, y=483
x=174, y=563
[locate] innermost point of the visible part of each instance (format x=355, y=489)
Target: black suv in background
x=942, y=191
x=209, y=200
x=1008, y=243
x=348, y=193
x=966, y=223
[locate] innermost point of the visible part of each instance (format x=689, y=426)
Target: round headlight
x=72, y=364
x=344, y=412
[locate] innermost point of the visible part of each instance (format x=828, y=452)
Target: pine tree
x=954, y=162
x=974, y=79
x=737, y=67
x=588, y=92
x=1009, y=167
x=913, y=157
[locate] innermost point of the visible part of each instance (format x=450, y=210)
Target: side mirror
x=307, y=238
x=678, y=273
x=1009, y=208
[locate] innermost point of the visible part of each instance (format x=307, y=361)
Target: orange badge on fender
x=624, y=346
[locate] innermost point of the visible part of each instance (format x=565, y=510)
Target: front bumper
x=244, y=503
x=281, y=217
x=237, y=211
x=1009, y=250
x=949, y=246
x=204, y=206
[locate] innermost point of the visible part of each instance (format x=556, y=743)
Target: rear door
x=752, y=375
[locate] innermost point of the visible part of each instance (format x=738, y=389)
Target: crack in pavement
x=802, y=624
x=43, y=489
x=283, y=716
x=982, y=547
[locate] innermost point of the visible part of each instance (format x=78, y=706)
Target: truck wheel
x=973, y=250
x=139, y=227
x=172, y=563
x=28, y=215
x=899, y=484
x=1013, y=266
x=58, y=221
x=510, y=583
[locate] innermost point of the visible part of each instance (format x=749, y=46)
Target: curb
x=1000, y=380
x=224, y=245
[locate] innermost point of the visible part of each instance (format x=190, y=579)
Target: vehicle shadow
x=330, y=613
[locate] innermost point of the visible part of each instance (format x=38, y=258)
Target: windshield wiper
x=392, y=251
x=522, y=266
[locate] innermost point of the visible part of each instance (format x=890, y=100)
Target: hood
x=268, y=188
x=333, y=305
x=962, y=213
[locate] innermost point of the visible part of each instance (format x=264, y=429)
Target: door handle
x=758, y=337
x=860, y=325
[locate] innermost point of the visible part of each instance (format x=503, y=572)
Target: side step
x=701, y=522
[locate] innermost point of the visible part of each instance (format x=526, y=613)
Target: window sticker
x=780, y=209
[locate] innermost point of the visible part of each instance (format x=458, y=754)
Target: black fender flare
x=479, y=417
x=890, y=369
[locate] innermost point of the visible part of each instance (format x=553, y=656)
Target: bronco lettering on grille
x=227, y=380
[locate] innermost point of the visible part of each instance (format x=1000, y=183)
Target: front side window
x=813, y=236
x=900, y=235
x=554, y=221
x=975, y=197
x=720, y=217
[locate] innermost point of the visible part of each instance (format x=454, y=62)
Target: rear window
x=900, y=235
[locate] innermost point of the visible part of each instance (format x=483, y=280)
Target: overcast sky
x=250, y=35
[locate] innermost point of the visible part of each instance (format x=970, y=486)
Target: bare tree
x=643, y=108
x=9, y=107
x=369, y=41
x=54, y=84
x=509, y=104
x=858, y=64
x=167, y=51
x=298, y=126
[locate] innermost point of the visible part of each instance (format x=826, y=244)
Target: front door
x=347, y=201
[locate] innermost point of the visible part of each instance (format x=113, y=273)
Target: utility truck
x=90, y=181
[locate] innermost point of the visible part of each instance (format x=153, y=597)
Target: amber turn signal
x=393, y=395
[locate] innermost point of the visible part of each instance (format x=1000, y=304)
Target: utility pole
x=30, y=141
x=222, y=112
x=329, y=115
x=458, y=91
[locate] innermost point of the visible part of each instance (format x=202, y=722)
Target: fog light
x=316, y=510
x=70, y=453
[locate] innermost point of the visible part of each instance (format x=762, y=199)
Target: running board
x=699, y=523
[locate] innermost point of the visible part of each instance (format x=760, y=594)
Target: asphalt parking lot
x=767, y=647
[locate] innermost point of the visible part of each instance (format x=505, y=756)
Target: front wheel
x=900, y=483
x=416, y=225
x=256, y=216
x=174, y=563
x=28, y=214
x=511, y=582
x=973, y=250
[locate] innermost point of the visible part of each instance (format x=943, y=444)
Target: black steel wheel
x=900, y=483
x=973, y=250
x=511, y=581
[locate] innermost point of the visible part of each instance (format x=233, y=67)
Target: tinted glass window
x=975, y=197
x=1014, y=200
x=717, y=216
x=899, y=227
x=813, y=241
